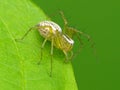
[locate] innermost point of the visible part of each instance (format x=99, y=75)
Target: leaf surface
x=18, y=60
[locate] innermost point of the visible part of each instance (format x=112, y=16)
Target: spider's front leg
x=41, y=52
x=32, y=28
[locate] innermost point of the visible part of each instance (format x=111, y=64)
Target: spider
x=62, y=40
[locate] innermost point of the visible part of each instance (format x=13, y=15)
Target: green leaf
x=18, y=60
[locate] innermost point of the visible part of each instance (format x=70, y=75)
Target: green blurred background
x=101, y=20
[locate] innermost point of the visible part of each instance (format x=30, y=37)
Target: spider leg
x=88, y=37
x=63, y=17
x=80, y=47
x=51, y=53
x=70, y=31
x=80, y=33
x=66, y=56
x=26, y=33
x=71, y=55
x=92, y=43
x=42, y=46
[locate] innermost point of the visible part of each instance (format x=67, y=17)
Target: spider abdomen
x=48, y=29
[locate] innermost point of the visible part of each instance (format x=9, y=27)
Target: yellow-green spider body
x=61, y=39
